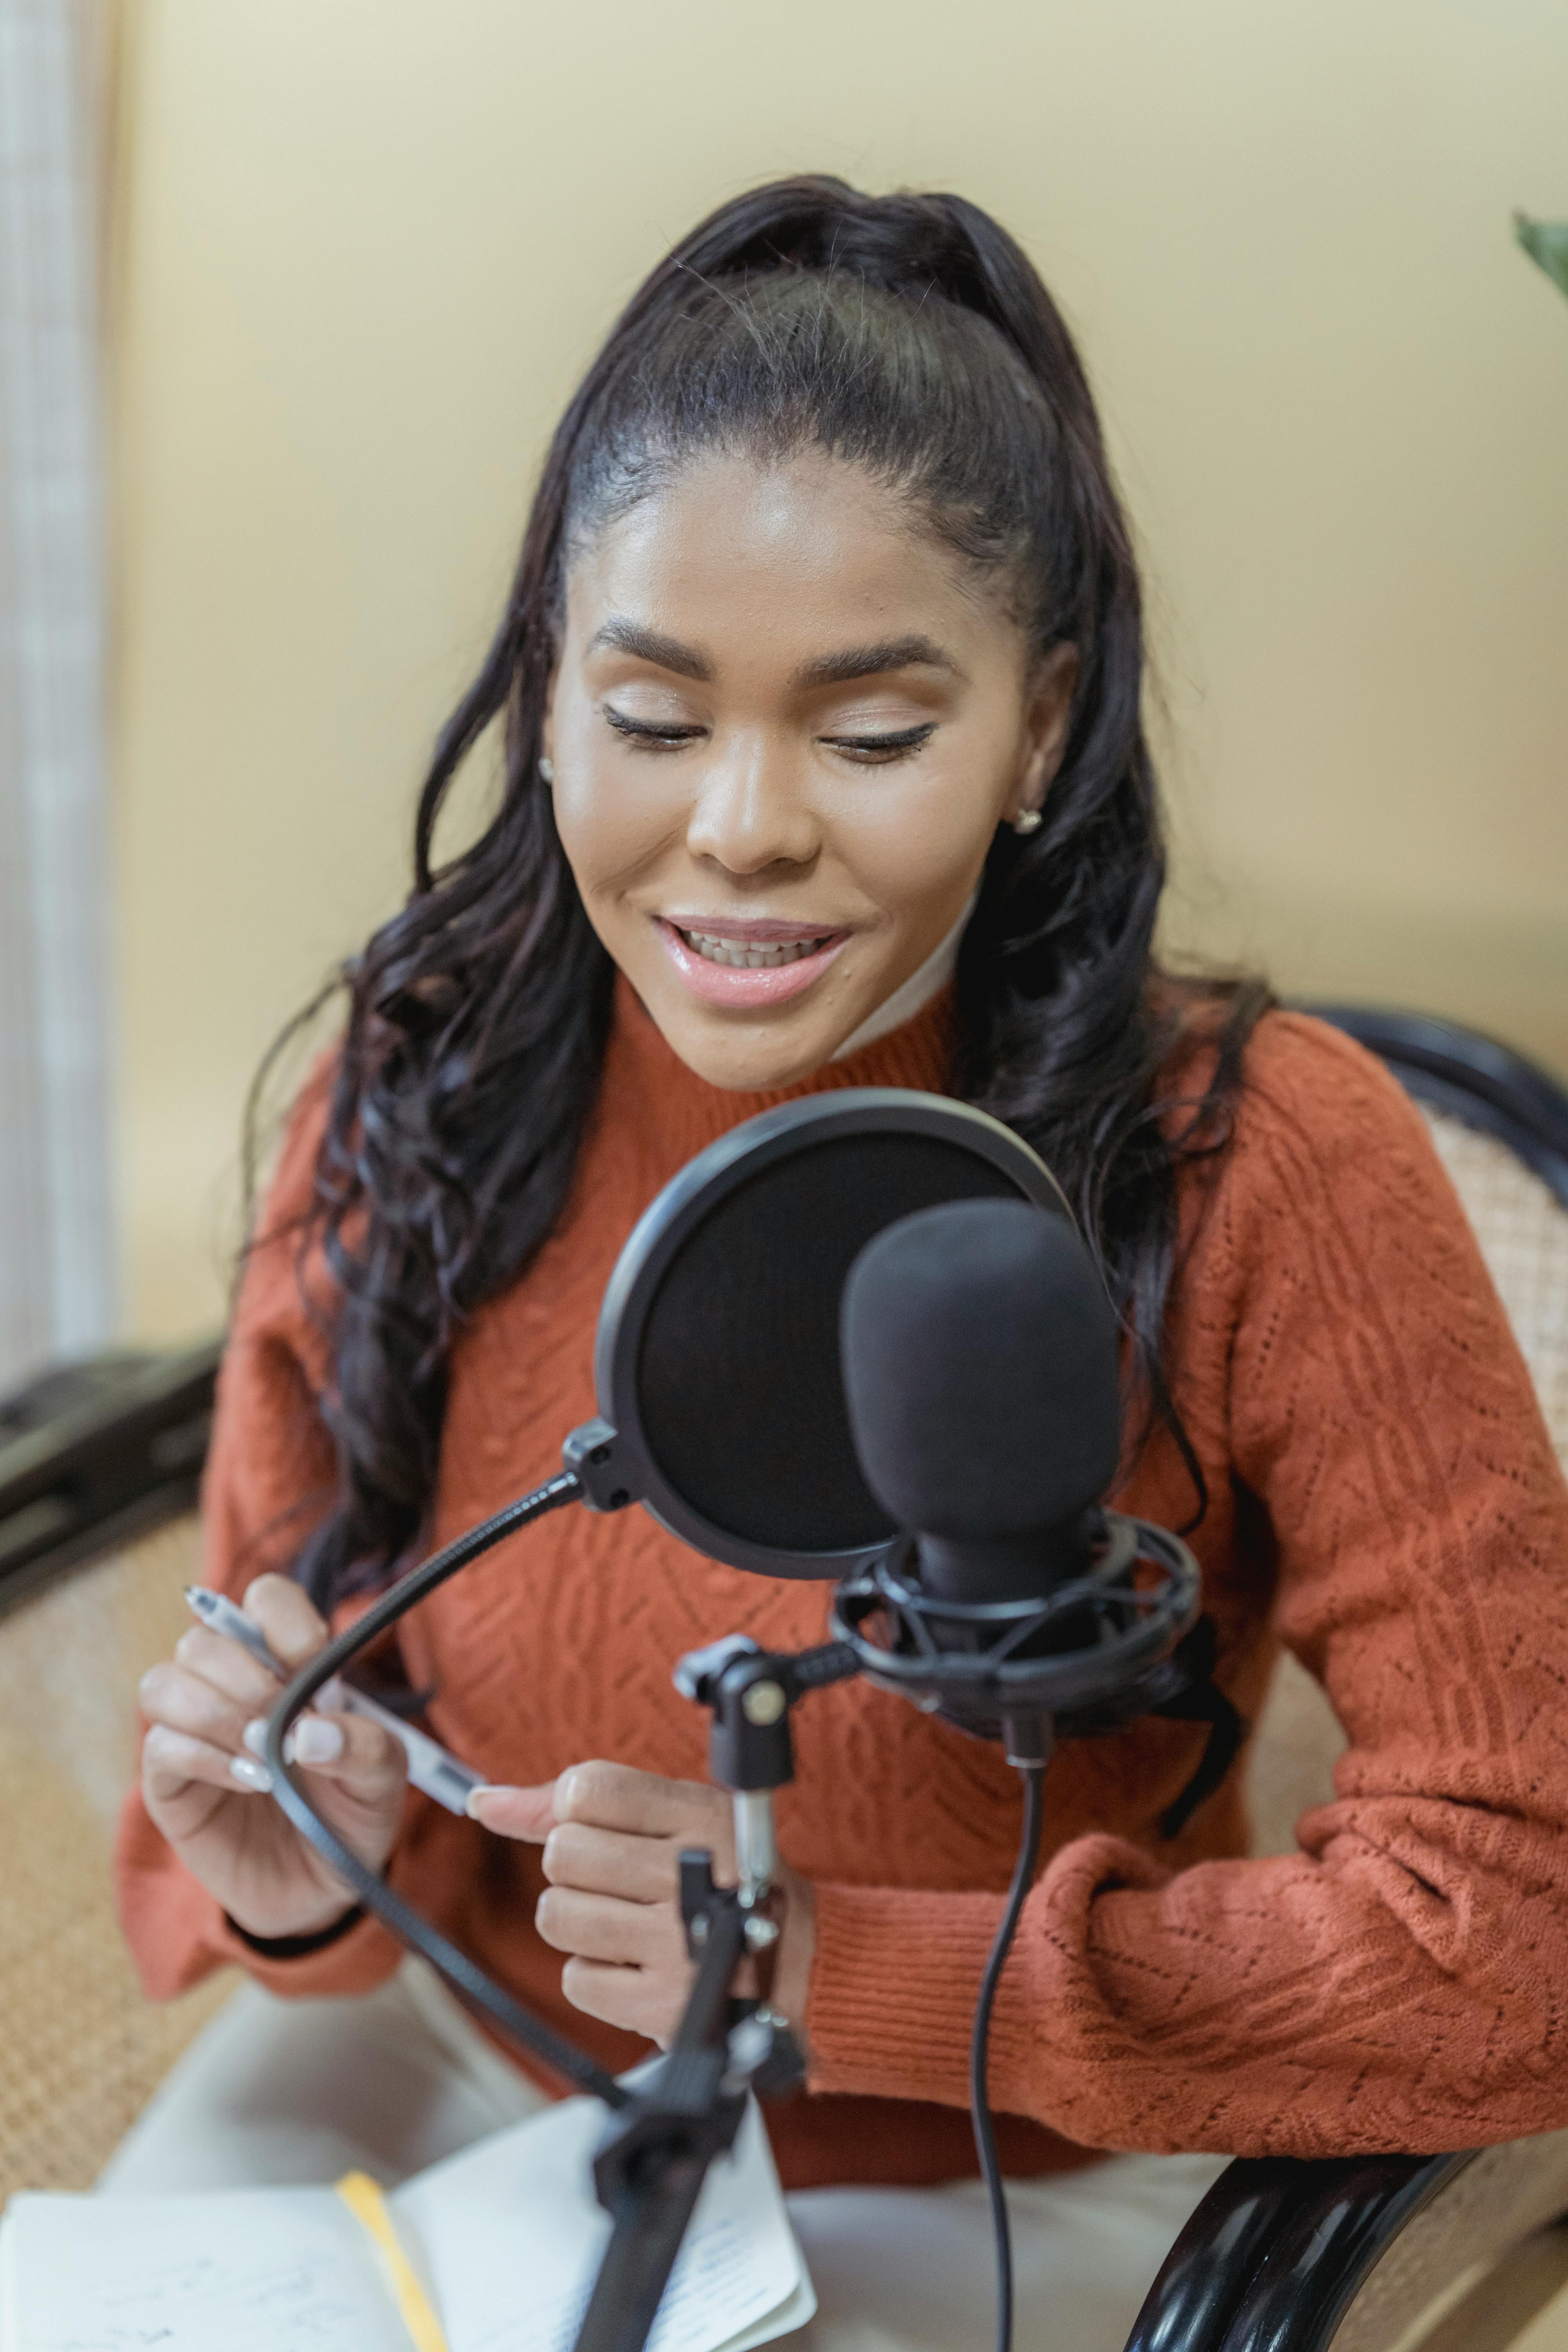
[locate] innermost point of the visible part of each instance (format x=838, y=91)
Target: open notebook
x=492, y=2251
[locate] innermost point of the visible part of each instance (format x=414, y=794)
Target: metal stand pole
x=654, y=2158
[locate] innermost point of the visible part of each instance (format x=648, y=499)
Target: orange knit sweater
x=1383, y=1497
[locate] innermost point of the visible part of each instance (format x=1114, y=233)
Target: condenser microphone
x=981, y=1387
x=980, y=1374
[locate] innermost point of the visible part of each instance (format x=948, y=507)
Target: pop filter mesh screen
x=741, y=1391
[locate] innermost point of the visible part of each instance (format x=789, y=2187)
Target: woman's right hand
x=206, y=1789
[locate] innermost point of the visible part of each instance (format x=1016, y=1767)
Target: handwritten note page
x=511, y=2237
x=243, y=2270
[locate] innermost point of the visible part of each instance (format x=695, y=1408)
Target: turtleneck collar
x=917, y=991
x=651, y=1094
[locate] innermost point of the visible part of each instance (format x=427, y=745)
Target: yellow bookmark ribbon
x=365, y=2200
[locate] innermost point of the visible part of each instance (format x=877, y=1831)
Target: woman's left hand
x=612, y=1839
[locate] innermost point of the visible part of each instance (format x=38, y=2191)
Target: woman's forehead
x=800, y=558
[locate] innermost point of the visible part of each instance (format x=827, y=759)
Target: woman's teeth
x=747, y=955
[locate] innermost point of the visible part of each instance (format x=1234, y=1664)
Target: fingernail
x=250, y=1775
x=473, y=1798
x=254, y=1735
x=331, y=1697
x=316, y=1742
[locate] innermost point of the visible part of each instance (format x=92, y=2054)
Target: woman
x=820, y=686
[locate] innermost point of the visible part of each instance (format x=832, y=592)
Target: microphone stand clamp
x=654, y=2157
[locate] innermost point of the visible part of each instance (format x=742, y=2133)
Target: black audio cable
x=1032, y=1777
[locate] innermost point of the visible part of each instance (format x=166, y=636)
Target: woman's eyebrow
x=620, y=634
x=623, y=635
x=872, y=661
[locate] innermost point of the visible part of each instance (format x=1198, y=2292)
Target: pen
x=430, y=1766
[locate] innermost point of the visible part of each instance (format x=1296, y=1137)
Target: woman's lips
x=745, y=986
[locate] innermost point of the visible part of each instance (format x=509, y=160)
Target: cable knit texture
x=1381, y=1497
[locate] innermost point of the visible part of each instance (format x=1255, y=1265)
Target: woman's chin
x=752, y=1052
x=746, y=1065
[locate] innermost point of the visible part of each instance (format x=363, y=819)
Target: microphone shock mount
x=1123, y=1639
x=1082, y=1650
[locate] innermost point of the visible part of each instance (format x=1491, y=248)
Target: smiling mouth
x=754, y=955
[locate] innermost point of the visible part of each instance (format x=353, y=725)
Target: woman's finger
x=172, y=1759
x=632, y=1999
x=357, y=1754
x=173, y=1696
x=525, y=1813
x=617, y=1797
x=294, y=1629
x=227, y=1666
x=601, y=1928
x=607, y=1862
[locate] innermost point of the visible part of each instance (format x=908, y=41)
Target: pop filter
x=717, y=1362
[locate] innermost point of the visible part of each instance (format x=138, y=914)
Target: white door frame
x=57, y=1288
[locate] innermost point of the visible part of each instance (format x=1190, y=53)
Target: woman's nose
x=752, y=811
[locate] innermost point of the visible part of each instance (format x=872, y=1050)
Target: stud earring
x=547, y=771
x=1027, y=821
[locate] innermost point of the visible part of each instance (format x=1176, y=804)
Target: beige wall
x=364, y=245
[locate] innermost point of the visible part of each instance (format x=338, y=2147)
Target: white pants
x=302, y=2091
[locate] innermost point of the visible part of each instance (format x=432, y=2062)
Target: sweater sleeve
x=269, y=1476
x=1400, y=1983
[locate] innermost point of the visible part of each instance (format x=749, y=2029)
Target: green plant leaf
x=1547, y=243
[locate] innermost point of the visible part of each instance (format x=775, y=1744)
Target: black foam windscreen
x=979, y=1361
x=738, y=1373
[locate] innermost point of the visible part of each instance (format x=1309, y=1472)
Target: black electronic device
x=719, y=1372
x=982, y=1389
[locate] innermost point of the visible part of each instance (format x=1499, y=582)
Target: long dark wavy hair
x=909, y=335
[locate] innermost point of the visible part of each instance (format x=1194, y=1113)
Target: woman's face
x=785, y=724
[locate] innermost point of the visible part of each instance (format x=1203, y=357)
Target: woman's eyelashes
x=876, y=751
x=866, y=750
x=652, y=735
